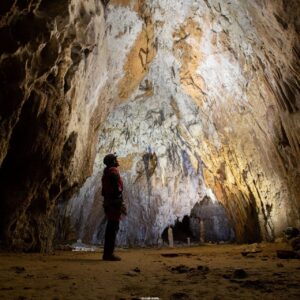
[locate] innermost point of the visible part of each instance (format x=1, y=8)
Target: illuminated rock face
x=52, y=69
x=208, y=95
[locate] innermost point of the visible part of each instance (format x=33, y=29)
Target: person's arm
x=115, y=178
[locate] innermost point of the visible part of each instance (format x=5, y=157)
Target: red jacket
x=112, y=188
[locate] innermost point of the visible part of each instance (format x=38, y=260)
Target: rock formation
x=208, y=108
x=52, y=68
x=203, y=103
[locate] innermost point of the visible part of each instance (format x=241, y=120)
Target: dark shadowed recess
x=24, y=164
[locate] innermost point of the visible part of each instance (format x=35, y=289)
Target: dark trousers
x=111, y=231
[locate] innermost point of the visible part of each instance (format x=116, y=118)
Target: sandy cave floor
x=197, y=272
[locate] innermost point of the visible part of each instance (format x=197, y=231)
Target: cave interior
x=199, y=99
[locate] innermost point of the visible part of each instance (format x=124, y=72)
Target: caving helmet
x=110, y=159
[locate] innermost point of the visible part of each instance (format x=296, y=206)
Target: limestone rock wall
x=52, y=71
x=256, y=169
x=208, y=95
x=203, y=99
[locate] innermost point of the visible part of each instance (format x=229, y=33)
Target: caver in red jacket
x=112, y=188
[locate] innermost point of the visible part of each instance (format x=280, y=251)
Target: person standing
x=112, y=188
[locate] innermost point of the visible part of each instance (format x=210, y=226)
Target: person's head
x=111, y=160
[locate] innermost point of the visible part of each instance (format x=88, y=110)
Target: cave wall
x=256, y=169
x=52, y=71
x=208, y=95
x=207, y=105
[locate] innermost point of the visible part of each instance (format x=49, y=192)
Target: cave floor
x=197, y=272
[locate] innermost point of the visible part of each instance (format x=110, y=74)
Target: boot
x=111, y=258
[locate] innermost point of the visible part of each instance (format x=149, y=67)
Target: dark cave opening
x=181, y=231
x=208, y=222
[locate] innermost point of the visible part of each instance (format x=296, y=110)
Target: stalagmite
x=189, y=241
x=202, y=231
x=170, y=237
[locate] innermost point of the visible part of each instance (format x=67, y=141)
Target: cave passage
x=208, y=222
x=199, y=99
x=181, y=232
